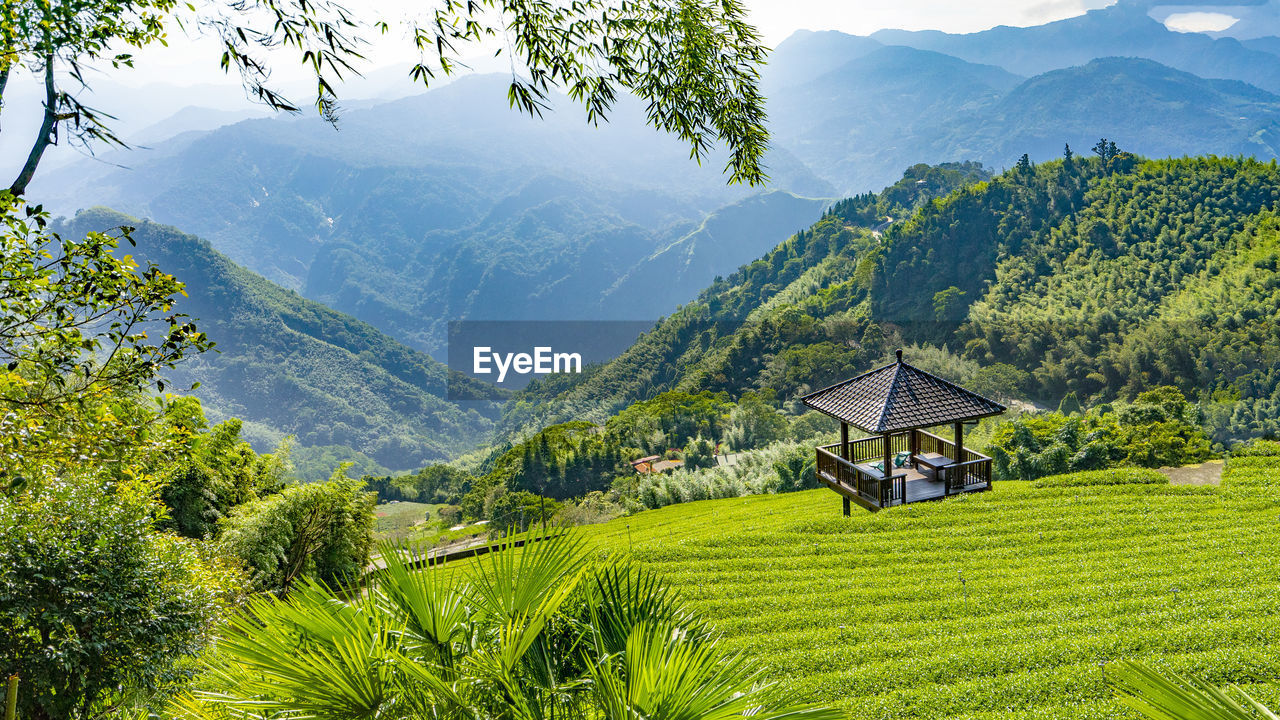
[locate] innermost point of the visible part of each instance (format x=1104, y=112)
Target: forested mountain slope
x=288, y=365
x=681, y=347
x=1096, y=276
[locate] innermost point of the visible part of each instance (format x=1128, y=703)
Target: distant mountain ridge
x=860, y=124
x=1123, y=29
x=444, y=206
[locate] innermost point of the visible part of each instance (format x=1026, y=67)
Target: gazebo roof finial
x=899, y=354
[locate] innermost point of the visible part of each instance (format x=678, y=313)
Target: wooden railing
x=972, y=470
x=872, y=488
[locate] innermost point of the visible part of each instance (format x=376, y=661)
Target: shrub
x=1257, y=448
x=322, y=530
x=96, y=606
x=1118, y=476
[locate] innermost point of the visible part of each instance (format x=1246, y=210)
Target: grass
x=404, y=521
x=400, y=520
x=1004, y=604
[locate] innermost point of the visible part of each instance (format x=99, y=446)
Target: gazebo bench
x=933, y=462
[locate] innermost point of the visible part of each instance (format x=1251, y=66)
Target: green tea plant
x=1014, y=603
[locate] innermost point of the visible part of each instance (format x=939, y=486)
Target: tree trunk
x=45, y=138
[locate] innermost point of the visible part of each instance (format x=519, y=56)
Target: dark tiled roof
x=900, y=397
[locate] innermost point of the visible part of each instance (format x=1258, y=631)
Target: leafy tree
x=797, y=471
x=949, y=305
x=593, y=51
x=214, y=472
x=1070, y=404
x=516, y=635
x=519, y=510
x=999, y=380
x=95, y=606
x=698, y=453
x=320, y=530
x=753, y=422
x=78, y=327
x=675, y=415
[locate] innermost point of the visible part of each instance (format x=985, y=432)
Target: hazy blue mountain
x=806, y=54
x=1269, y=44
x=1150, y=109
x=442, y=206
x=670, y=276
x=1124, y=29
x=288, y=365
x=193, y=118
x=859, y=125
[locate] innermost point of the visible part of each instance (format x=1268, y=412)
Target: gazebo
x=901, y=462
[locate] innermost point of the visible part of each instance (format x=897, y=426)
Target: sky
x=189, y=65
x=187, y=61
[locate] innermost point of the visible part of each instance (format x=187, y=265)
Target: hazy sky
x=188, y=62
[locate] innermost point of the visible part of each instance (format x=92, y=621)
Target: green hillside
x=1006, y=604
x=287, y=365
x=1094, y=276
x=678, y=347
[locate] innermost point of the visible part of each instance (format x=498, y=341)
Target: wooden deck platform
x=918, y=486
x=860, y=482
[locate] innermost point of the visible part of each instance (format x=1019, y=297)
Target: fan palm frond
x=1170, y=696
x=511, y=582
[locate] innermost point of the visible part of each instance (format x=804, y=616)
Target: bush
x=323, y=530
x=595, y=508
x=1118, y=476
x=95, y=604
x=1257, y=448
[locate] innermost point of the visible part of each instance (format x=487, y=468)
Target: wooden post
x=885, y=482
x=844, y=441
x=846, y=506
x=915, y=447
x=959, y=458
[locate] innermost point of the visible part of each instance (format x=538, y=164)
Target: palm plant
x=1170, y=696
x=538, y=633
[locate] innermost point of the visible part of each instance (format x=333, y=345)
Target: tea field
x=1005, y=604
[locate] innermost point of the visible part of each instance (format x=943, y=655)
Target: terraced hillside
x=1004, y=604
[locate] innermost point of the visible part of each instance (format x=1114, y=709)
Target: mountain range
x=336, y=257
